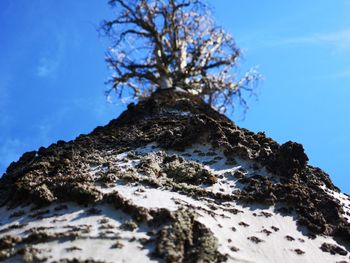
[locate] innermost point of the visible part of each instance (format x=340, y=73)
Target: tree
x=161, y=44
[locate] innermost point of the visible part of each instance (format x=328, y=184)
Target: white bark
x=165, y=82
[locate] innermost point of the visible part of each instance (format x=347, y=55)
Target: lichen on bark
x=185, y=239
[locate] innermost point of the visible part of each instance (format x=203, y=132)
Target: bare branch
x=168, y=43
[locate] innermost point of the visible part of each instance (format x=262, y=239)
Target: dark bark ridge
x=176, y=120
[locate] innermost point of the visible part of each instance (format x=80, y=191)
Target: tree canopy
x=162, y=44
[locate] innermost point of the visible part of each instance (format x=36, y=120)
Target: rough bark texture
x=176, y=120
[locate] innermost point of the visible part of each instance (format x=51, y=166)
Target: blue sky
x=52, y=73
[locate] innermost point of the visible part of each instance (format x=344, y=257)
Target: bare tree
x=162, y=44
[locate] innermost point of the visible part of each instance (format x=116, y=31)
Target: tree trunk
x=171, y=180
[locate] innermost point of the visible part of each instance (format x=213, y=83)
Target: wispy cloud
x=46, y=66
x=4, y=98
x=3, y=94
x=10, y=150
x=51, y=58
x=344, y=74
x=339, y=39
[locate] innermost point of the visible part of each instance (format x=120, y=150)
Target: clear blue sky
x=52, y=73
